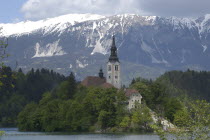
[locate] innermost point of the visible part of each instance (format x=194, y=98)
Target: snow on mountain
x=51, y=49
x=60, y=22
x=166, y=42
x=80, y=64
x=204, y=24
x=204, y=48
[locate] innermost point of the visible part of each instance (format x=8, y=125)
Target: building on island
x=133, y=97
x=96, y=81
x=113, y=78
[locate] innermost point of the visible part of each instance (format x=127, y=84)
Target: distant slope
x=196, y=84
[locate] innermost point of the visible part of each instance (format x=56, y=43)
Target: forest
x=43, y=100
x=193, y=83
x=18, y=89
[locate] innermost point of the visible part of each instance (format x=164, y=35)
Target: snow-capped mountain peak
x=25, y=27
x=81, y=43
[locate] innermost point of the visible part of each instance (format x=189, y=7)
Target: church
x=113, y=72
x=113, y=79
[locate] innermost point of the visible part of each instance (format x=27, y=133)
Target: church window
x=116, y=67
x=109, y=69
x=109, y=77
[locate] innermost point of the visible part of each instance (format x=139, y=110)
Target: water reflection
x=14, y=134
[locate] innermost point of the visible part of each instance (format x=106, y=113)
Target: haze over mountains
x=147, y=45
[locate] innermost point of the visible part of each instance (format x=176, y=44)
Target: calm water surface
x=13, y=134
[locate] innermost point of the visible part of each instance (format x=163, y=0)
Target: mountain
x=147, y=45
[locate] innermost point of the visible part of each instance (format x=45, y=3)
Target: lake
x=14, y=134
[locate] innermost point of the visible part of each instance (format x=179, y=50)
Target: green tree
x=121, y=107
x=67, y=89
x=193, y=122
x=182, y=118
x=72, y=85
x=3, y=54
x=62, y=90
x=50, y=116
x=141, y=117
x=126, y=122
x=104, y=119
x=146, y=93
x=25, y=123
x=171, y=107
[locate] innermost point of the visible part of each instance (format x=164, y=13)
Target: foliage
x=157, y=97
x=193, y=83
x=2, y=133
x=88, y=109
x=61, y=104
x=27, y=120
x=19, y=89
x=3, y=54
x=141, y=117
x=126, y=122
x=193, y=122
x=68, y=88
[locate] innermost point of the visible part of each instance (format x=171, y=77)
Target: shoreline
x=15, y=131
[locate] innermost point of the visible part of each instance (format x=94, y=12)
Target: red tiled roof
x=106, y=85
x=93, y=81
x=96, y=82
x=129, y=92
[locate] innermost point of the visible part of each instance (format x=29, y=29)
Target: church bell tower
x=113, y=67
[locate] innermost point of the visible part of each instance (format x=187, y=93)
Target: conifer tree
x=72, y=85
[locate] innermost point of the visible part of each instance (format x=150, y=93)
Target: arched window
x=116, y=67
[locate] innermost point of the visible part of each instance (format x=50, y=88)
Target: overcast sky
x=17, y=10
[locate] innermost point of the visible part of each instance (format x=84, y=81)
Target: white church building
x=113, y=78
x=113, y=67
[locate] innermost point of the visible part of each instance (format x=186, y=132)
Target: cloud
x=40, y=9
x=181, y=8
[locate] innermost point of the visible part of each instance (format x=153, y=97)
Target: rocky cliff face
x=147, y=45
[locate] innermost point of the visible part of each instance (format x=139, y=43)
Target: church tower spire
x=113, y=56
x=113, y=67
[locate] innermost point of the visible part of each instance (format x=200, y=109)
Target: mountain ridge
x=151, y=43
x=78, y=18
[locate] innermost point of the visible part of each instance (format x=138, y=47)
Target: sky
x=12, y=11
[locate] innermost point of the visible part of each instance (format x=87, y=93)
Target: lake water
x=14, y=134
